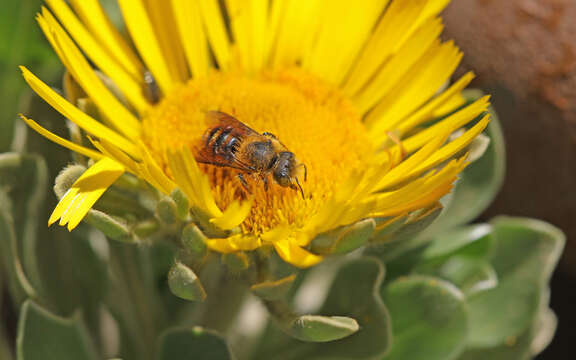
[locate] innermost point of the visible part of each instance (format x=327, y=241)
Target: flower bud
x=184, y=283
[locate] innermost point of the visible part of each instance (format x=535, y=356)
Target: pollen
x=313, y=119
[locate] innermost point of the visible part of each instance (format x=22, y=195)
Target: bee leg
x=244, y=183
x=265, y=180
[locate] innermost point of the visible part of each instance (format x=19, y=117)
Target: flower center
x=312, y=119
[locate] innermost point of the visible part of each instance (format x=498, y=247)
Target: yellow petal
x=152, y=172
x=216, y=30
x=234, y=243
x=234, y=215
x=427, y=111
x=84, y=193
x=76, y=115
x=415, y=88
x=116, y=114
x=61, y=141
x=114, y=153
x=342, y=32
x=419, y=192
x=450, y=124
x=248, y=20
x=124, y=69
x=400, y=20
x=401, y=63
x=453, y=147
x=293, y=254
x=142, y=32
x=98, y=24
x=192, y=36
x=297, y=29
x=162, y=17
x=400, y=172
x=193, y=182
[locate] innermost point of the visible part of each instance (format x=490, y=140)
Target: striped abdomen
x=222, y=141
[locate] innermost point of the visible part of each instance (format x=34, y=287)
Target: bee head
x=283, y=168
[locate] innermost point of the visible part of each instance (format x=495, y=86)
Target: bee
x=230, y=143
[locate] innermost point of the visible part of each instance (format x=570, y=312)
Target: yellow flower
x=354, y=89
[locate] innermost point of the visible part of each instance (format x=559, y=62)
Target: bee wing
x=234, y=127
x=224, y=120
x=207, y=156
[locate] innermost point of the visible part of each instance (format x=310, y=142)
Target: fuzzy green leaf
x=24, y=177
x=344, y=239
x=402, y=236
x=429, y=320
x=526, y=251
x=461, y=256
x=74, y=269
x=355, y=293
x=317, y=328
x=194, y=343
x=16, y=281
x=44, y=336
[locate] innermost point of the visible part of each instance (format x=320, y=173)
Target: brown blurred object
x=524, y=53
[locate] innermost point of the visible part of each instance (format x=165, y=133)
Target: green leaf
x=344, y=239
x=16, y=281
x=23, y=182
x=470, y=276
x=526, y=346
x=318, y=328
x=190, y=344
x=44, y=336
x=74, y=271
x=25, y=179
x=461, y=256
x=355, y=293
x=453, y=241
x=526, y=251
x=479, y=182
x=429, y=320
x=515, y=348
x=403, y=235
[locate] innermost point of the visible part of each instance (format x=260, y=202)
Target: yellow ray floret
x=216, y=32
x=61, y=141
x=142, y=32
x=84, y=193
x=76, y=115
x=196, y=186
x=192, y=36
x=112, y=56
x=115, y=112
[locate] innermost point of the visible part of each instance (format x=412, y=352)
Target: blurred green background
x=21, y=42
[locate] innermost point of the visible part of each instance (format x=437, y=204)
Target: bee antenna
x=305, y=171
x=300, y=187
